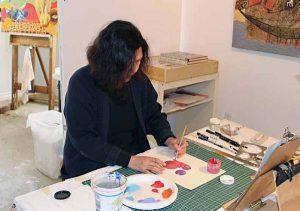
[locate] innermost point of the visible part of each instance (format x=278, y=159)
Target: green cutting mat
x=212, y=195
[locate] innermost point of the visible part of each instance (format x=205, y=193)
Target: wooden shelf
x=182, y=108
x=200, y=78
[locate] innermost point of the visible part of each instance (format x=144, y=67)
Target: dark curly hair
x=111, y=56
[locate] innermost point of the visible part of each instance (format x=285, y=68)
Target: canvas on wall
x=267, y=25
x=29, y=16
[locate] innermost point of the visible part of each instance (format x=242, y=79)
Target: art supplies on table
x=233, y=140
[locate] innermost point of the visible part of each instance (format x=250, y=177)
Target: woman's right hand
x=146, y=164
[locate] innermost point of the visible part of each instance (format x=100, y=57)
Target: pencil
x=182, y=136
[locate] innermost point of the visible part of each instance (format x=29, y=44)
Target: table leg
x=51, y=86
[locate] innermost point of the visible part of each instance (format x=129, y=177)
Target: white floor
x=17, y=172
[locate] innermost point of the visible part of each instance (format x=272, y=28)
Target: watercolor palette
x=149, y=191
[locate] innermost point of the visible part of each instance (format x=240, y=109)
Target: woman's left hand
x=173, y=143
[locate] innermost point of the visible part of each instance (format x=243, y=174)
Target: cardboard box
x=173, y=72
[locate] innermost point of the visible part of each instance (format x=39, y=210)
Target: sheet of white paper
x=194, y=177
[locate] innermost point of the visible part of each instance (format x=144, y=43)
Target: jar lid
x=214, y=121
x=62, y=194
x=227, y=179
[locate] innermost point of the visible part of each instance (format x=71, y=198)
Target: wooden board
x=175, y=72
x=264, y=183
x=260, y=187
x=281, y=155
x=289, y=194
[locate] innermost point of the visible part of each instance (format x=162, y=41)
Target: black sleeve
x=156, y=121
x=82, y=119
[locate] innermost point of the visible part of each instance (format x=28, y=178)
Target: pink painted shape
x=158, y=184
x=4, y=13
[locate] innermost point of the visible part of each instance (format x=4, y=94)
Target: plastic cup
x=109, y=191
x=213, y=165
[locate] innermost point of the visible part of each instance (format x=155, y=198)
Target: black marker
x=205, y=138
x=224, y=138
x=202, y=136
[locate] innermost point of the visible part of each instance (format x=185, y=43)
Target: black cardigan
x=87, y=116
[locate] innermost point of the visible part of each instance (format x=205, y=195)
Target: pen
x=205, y=138
x=224, y=138
x=202, y=136
x=182, y=136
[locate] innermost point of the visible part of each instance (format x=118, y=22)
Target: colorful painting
x=29, y=16
x=267, y=25
x=186, y=171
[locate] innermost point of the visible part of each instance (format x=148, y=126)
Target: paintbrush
x=180, y=142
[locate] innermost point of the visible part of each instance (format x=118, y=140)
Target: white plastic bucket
x=47, y=132
x=109, y=191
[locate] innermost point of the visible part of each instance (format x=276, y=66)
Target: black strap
x=286, y=171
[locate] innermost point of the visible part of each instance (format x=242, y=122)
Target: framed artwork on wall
x=267, y=25
x=29, y=16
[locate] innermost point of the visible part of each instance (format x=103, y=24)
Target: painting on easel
x=29, y=16
x=267, y=25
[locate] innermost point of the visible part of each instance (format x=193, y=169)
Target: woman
x=111, y=106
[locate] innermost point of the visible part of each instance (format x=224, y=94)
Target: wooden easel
x=264, y=183
x=35, y=41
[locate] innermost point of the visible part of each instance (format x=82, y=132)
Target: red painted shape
x=253, y=2
x=32, y=15
x=158, y=184
x=270, y=4
x=53, y=5
x=174, y=164
x=154, y=190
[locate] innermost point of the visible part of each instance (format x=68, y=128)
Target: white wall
x=158, y=20
x=260, y=90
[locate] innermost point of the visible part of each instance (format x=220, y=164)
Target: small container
x=213, y=165
x=109, y=191
x=214, y=124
